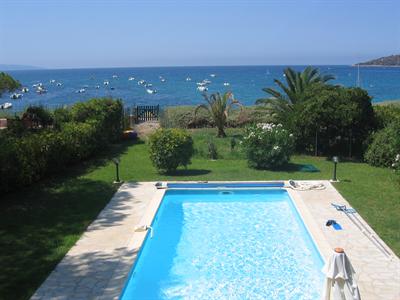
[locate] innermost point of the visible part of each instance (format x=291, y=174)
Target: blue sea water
x=230, y=244
x=245, y=81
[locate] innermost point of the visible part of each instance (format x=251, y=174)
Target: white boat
x=59, y=84
x=37, y=84
x=226, y=84
x=97, y=87
x=6, y=105
x=148, y=85
x=212, y=75
x=162, y=79
x=16, y=96
x=24, y=90
x=106, y=82
x=80, y=91
x=41, y=90
x=131, y=78
x=188, y=79
x=115, y=76
x=52, y=81
x=150, y=91
x=202, y=88
x=141, y=82
x=206, y=81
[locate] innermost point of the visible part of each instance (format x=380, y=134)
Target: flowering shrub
x=396, y=163
x=267, y=146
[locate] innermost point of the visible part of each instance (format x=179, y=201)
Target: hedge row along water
x=44, y=142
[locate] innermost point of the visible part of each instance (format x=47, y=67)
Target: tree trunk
x=221, y=132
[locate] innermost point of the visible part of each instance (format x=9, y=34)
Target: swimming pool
x=226, y=244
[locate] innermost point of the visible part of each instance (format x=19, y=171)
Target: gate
x=143, y=113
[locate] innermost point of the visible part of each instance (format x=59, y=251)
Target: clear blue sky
x=64, y=34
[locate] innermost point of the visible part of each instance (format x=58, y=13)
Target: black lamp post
x=116, y=162
x=335, y=160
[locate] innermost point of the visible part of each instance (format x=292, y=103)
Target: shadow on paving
x=88, y=274
x=40, y=223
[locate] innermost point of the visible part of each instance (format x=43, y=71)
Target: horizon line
x=38, y=68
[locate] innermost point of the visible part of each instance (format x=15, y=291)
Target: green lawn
x=39, y=224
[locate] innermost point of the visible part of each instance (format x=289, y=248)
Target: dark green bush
x=170, y=148
x=37, y=117
x=386, y=114
x=385, y=146
x=28, y=153
x=61, y=115
x=332, y=120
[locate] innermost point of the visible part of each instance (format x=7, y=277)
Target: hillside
x=392, y=60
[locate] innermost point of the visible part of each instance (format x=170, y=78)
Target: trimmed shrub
x=268, y=146
x=170, y=148
x=385, y=146
x=28, y=153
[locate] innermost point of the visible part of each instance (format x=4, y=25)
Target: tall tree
x=218, y=108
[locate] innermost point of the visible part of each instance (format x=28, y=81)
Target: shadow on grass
x=40, y=223
x=294, y=168
x=188, y=172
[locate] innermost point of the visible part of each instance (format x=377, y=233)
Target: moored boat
x=6, y=105
x=16, y=96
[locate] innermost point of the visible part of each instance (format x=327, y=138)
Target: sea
x=178, y=85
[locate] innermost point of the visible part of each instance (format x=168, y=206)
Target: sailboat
x=358, y=76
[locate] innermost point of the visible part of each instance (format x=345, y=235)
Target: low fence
x=142, y=113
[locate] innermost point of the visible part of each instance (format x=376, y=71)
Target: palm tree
x=218, y=108
x=296, y=85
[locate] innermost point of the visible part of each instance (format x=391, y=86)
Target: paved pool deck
x=97, y=266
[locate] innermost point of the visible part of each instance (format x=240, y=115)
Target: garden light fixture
x=335, y=160
x=116, y=161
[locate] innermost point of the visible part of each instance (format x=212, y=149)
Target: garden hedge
x=84, y=129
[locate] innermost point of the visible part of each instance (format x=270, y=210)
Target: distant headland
x=386, y=61
x=18, y=67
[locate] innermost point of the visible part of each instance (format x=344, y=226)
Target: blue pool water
x=246, y=82
x=227, y=244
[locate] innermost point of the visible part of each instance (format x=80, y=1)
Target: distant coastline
x=386, y=61
x=4, y=67
x=376, y=66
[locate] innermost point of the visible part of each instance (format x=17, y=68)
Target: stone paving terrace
x=99, y=263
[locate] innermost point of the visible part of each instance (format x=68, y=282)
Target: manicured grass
x=38, y=225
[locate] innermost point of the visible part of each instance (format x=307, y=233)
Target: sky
x=122, y=33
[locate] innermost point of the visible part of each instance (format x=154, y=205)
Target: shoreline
x=377, y=66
